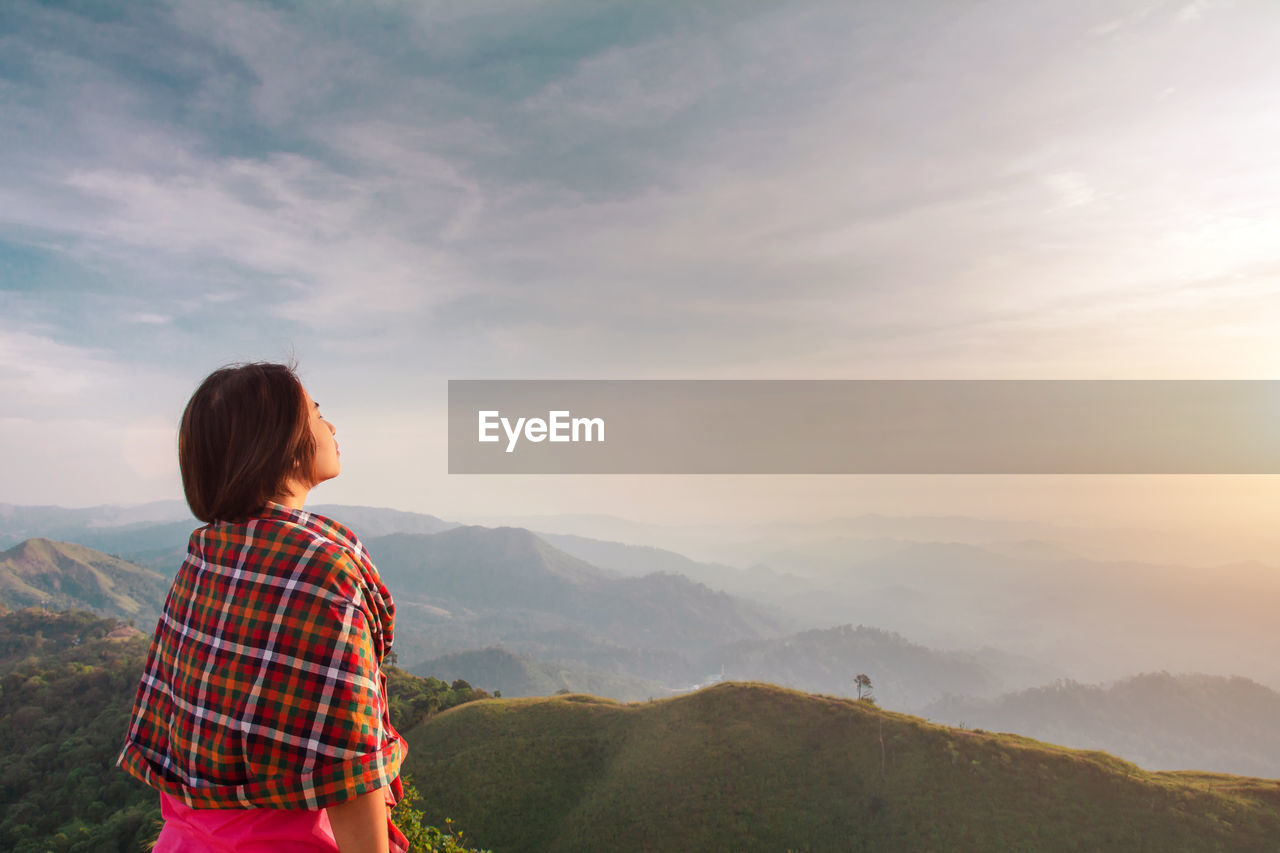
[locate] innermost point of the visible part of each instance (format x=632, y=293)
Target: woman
x=262, y=714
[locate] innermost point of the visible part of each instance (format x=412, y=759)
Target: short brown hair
x=244, y=431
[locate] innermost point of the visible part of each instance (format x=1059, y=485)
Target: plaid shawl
x=263, y=685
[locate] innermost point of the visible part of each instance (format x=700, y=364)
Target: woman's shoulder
x=282, y=541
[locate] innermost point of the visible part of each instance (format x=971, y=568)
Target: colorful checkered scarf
x=263, y=685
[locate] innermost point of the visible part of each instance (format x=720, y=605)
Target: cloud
x=699, y=184
x=294, y=69
x=315, y=238
x=38, y=370
x=401, y=192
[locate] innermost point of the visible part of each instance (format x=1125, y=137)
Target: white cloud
x=433, y=190
x=315, y=237
x=852, y=165
x=35, y=369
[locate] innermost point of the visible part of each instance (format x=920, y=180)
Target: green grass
x=754, y=767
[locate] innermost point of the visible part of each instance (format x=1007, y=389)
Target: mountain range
x=736, y=766
x=535, y=614
x=1159, y=720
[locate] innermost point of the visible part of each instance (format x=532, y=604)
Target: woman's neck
x=292, y=494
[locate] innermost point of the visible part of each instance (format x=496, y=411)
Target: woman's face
x=328, y=464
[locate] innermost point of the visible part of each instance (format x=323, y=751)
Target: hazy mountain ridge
x=519, y=675
x=508, y=586
x=463, y=588
x=747, y=543
x=1161, y=721
x=156, y=534
x=962, y=595
x=1025, y=594
x=758, y=582
x=905, y=675
x=369, y=521
x=19, y=522
x=1028, y=597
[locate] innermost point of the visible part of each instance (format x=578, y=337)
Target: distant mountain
x=461, y=589
x=1033, y=549
x=485, y=567
x=368, y=521
x=521, y=675
x=624, y=559
x=757, y=582
x=470, y=587
x=61, y=575
x=952, y=594
x=904, y=675
x=155, y=535
x=751, y=767
x=945, y=582
x=19, y=522
x=1163, y=721
x=770, y=542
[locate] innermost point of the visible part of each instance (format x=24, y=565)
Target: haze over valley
x=956, y=631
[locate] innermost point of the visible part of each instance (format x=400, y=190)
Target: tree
x=423, y=838
x=863, y=682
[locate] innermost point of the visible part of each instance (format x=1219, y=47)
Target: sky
x=401, y=193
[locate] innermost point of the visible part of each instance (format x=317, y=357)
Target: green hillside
x=745, y=767
x=67, y=682
x=58, y=575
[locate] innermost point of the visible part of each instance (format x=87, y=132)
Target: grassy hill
x=747, y=767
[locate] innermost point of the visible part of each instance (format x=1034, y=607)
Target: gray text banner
x=864, y=427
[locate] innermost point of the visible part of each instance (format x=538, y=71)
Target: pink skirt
x=188, y=830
